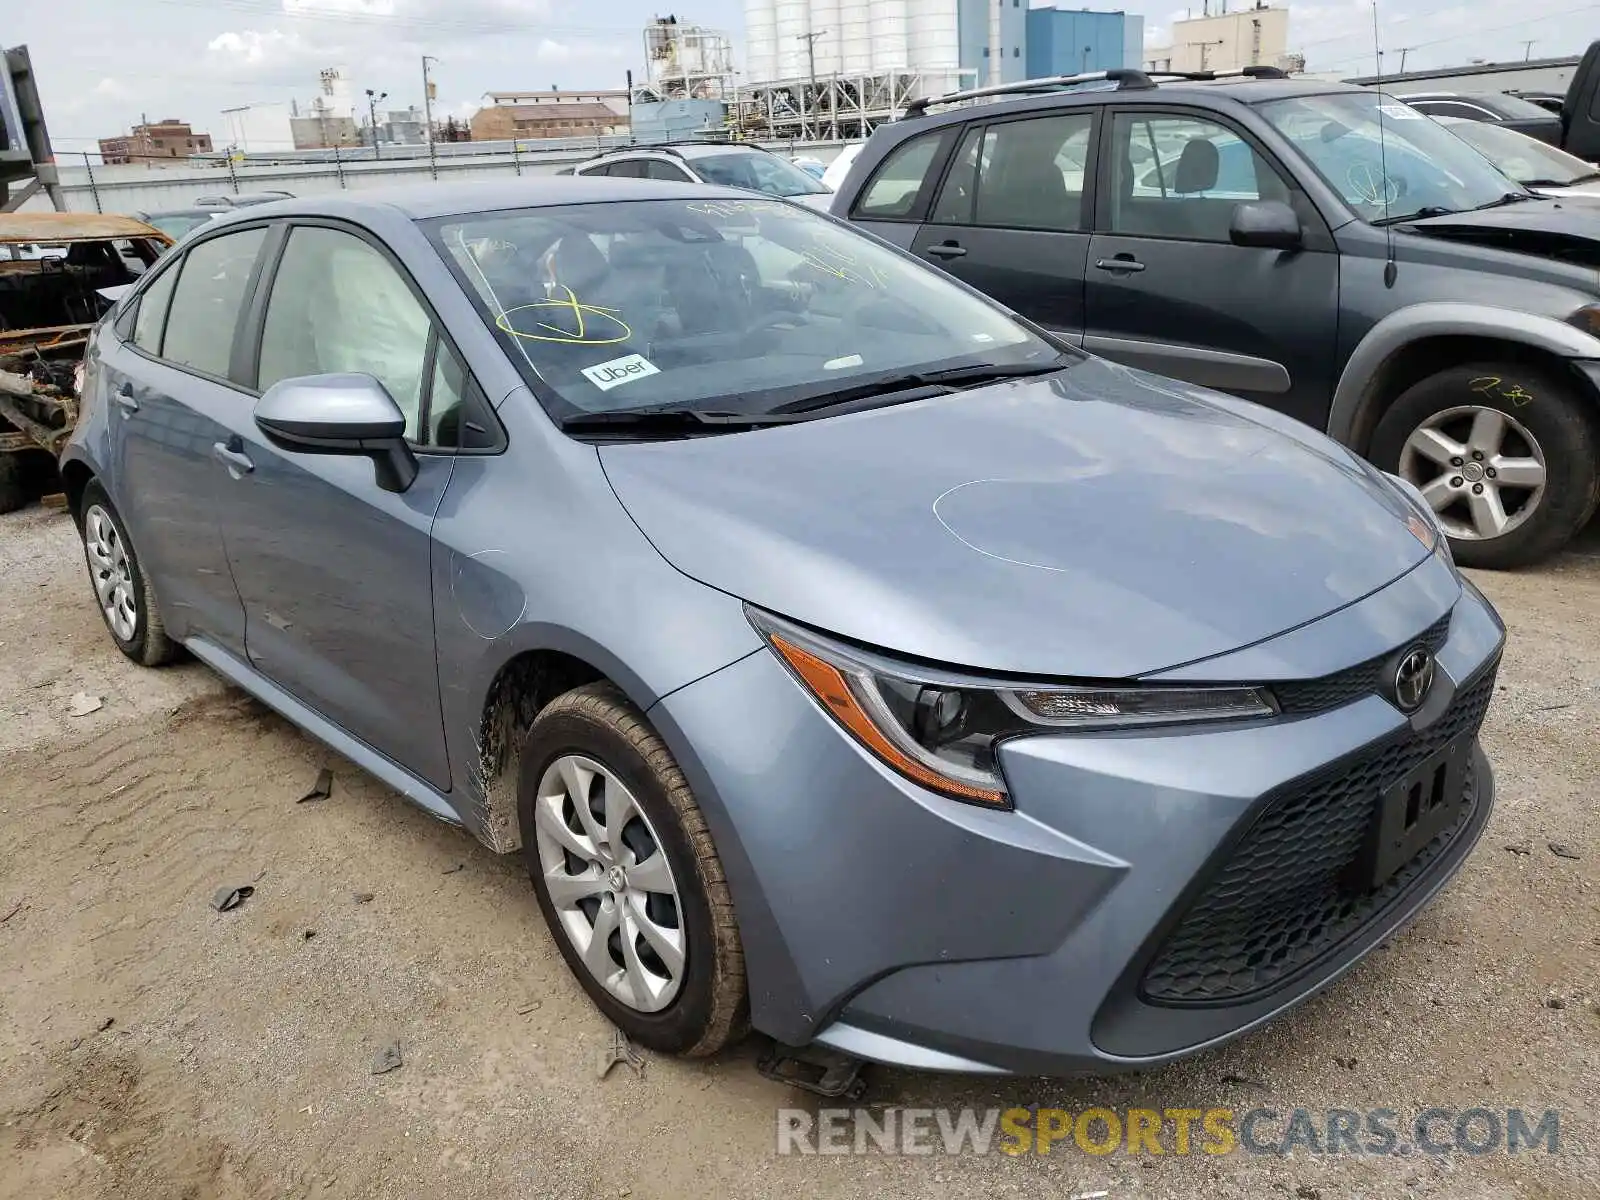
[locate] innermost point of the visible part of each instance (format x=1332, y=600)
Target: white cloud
x=552, y=51
x=370, y=8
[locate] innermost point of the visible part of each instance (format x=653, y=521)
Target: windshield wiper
x=668, y=421
x=1428, y=210
x=1508, y=198
x=920, y=385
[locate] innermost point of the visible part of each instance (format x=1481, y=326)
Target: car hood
x=1096, y=523
x=1561, y=228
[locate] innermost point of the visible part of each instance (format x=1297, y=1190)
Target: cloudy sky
x=101, y=63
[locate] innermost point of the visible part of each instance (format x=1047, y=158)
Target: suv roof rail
x=1124, y=77
x=1236, y=73
x=671, y=147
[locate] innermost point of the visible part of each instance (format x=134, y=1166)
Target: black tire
x=149, y=645
x=13, y=487
x=711, y=1007
x=1558, y=416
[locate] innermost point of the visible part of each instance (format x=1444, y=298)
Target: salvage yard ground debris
x=238, y=1065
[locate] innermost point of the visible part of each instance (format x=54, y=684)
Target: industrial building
x=551, y=114
x=1249, y=36
x=835, y=68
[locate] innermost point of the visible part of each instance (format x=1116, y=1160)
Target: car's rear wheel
x=1505, y=453
x=122, y=590
x=627, y=876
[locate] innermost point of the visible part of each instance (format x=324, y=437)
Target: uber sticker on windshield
x=1400, y=112
x=618, y=371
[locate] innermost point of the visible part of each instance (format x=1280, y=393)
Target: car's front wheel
x=122, y=590
x=627, y=876
x=1505, y=453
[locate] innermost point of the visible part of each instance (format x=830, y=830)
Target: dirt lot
x=151, y=1047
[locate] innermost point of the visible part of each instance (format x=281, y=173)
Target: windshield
x=1416, y=166
x=756, y=171
x=1523, y=158
x=726, y=305
x=175, y=225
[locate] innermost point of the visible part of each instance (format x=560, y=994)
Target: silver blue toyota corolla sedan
x=845, y=656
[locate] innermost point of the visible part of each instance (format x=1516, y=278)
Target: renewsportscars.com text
x=1174, y=1131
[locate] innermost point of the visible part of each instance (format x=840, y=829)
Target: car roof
x=684, y=150
x=425, y=200
x=55, y=227
x=1244, y=90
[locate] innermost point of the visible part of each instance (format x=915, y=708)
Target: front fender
x=1442, y=319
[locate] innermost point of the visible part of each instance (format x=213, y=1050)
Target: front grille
x=1304, y=697
x=1280, y=901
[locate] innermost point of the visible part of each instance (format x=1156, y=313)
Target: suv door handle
x=947, y=250
x=1121, y=262
x=236, y=461
x=122, y=397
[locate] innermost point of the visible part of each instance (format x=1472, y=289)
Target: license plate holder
x=1413, y=811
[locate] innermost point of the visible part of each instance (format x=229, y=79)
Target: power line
x=1455, y=37
x=1413, y=18
x=378, y=20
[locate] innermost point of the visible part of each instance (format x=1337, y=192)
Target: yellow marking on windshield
x=843, y=266
x=582, y=335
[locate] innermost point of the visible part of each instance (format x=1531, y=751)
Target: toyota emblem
x=1413, y=678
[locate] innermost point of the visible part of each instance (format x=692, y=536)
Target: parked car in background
x=843, y=655
x=749, y=167
x=178, y=221
x=834, y=175
x=1549, y=101
x=1490, y=108
x=1317, y=247
x=813, y=167
x=1530, y=162
x=241, y=199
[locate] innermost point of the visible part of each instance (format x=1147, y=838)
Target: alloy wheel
x=1480, y=469
x=111, y=572
x=610, y=883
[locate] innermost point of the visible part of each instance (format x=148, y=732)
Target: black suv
x=1320, y=248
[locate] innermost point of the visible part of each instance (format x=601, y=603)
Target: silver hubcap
x=610, y=883
x=113, y=577
x=1480, y=469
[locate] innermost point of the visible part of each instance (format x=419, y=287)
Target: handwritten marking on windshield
x=1492, y=385
x=844, y=266
x=734, y=208
x=582, y=334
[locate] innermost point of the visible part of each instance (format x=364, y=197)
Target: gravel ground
x=150, y=1047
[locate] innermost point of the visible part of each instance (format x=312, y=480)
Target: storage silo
x=760, y=40
x=793, y=23
x=826, y=17
x=933, y=34
x=855, y=36
x=888, y=26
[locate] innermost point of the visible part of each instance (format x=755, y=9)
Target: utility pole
x=1087, y=50
x=372, y=116
x=1404, y=50
x=810, y=39
x=427, y=106
x=1204, y=49
x=1527, y=48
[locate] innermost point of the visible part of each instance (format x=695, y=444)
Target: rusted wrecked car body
x=59, y=274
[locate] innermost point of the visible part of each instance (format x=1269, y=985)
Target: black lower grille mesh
x=1303, y=697
x=1281, y=901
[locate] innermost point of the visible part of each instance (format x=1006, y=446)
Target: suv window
x=628, y=168
x=1181, y=177
x=655, y=168
x=339, y=305
x=1020, y=175
x=1452, y=108
x=151, y=316
x=205, y=307
x=892, y=194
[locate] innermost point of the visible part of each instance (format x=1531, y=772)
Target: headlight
x=1426, y=526
x=943, y=731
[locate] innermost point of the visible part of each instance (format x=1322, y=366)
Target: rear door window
x=151, y=317
x=892, y=194
x=1020, y=175
x=206, y=304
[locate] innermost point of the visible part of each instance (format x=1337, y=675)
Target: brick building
x=552, y=114
x=151, y=143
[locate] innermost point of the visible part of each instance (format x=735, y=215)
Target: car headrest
x=1197, y=167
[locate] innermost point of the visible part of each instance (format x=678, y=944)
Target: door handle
x=1122, y=262
x=947, y=250
x=123, y=398
x=236, y=461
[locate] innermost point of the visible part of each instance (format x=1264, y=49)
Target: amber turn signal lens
x=830, y=686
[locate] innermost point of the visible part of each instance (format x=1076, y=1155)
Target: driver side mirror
x=1268, y=224
x=340, y=414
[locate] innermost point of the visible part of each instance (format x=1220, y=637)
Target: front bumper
x=900, y=926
